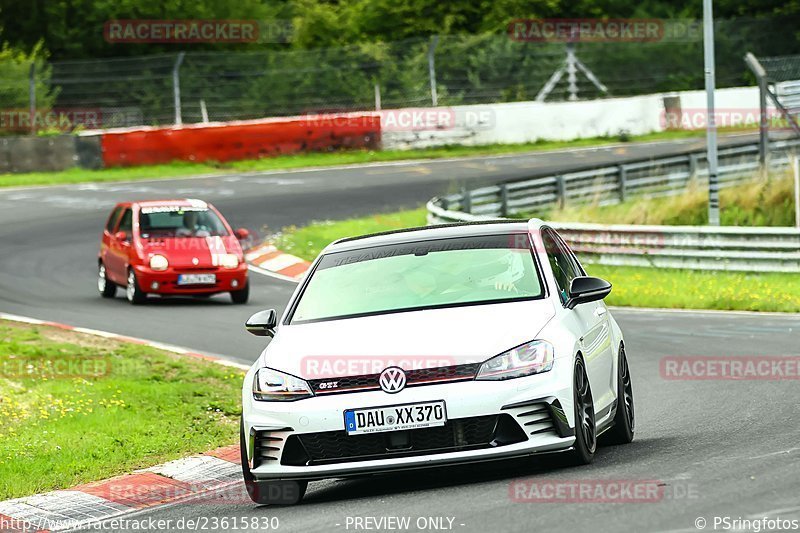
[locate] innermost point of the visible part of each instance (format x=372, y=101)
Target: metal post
x=796, y=167
x=32, y=96
x=432, y=70
x=176, y=87
x=503, y=200
x=623, y=185
x=561, y=186
x=763, y=134
x=711, y=132
x=377, y=97
x=204, y=111
x=466, y=200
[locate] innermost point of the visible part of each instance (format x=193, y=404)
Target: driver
x=192, y=226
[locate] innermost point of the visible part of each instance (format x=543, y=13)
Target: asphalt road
x=719, y=447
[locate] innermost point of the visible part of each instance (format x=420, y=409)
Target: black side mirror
x=585, y=289
x=263, y=323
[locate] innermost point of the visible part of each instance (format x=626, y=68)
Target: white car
x=433, y=346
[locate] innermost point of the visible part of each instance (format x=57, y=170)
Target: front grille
x=425, y=376
x=456, y=435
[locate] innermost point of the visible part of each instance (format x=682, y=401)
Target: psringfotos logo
x=730, y=368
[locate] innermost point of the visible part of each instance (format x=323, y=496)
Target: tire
x=241, y=296
x=278, y=492
x=133, y=292
x=585, y=426
x=625, y=419
x=107, y=288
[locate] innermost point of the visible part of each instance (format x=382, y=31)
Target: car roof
x=441, y=231
x=180, y=202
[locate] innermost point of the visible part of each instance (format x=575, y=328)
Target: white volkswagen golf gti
x=433, y=346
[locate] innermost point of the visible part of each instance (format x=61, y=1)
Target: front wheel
x=107, y=288
x=585, y=428
x=278, y=492
x=133, y=291
x=624, y=420
x=241, y=296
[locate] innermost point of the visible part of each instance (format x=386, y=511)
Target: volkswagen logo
x=392, y=379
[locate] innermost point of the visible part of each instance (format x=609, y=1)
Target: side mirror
x=585, y=289
x=241, y=234
x=121, y=236
x=263, y=323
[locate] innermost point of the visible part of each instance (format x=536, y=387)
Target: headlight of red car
x=159, y=262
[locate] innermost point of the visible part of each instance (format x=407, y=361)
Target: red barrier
x=243, y=140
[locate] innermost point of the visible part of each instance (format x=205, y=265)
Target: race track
x=719, y=447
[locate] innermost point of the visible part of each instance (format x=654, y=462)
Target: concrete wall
x=520, y=122
x=33, y=154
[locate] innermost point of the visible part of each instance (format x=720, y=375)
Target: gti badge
x=392, y=379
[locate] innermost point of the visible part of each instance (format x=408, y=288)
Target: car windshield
x=179, y=221
x=420, y=275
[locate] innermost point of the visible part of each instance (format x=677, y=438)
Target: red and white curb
x=124, y=338
x=214, y=477
x=268, y=258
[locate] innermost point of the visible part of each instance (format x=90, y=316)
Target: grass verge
x=75, y=408
x=754, y=203
x=183, y=169
x=633, y=286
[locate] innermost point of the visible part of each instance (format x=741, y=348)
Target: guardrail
x=610, y=184
x=754, y=249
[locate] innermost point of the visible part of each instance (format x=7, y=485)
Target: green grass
x=755, y=203
x=633, y=286
x=182, y=169
x=307, y=242
x=693, y=289
x=144, y=407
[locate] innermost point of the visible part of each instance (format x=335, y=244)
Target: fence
x=451, y=70
x=694, y=247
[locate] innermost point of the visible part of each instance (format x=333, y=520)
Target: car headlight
x=229, y=260
x=159, y=262
x=273, y=386
x=530, y=358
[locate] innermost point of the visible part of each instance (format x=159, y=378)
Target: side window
x=112, y=220
x=564, y=267
x=573, y=259
x=126, y=224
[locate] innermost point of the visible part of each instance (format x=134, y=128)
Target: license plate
x=395, y=418
x=197, y=279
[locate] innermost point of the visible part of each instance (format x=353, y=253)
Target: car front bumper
x=167, y=281
x=540, y=407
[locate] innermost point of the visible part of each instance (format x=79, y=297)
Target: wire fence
x=449, y=70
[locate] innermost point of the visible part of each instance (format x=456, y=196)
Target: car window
x=565, y=269
x=420, y=275
x=573, y=259
x=126, y=223
x=112, y=219
x=180, y=221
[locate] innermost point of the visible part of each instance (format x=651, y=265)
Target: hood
x=181, y=251
x=411, y=340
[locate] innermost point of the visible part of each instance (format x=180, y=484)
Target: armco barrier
x=693, y=247
x=242, y=140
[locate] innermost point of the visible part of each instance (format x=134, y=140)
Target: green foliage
x=15, y=65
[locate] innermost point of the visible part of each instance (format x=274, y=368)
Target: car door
x=118, y=249
x=597, y=340
x=107, y=238
x=594, y=333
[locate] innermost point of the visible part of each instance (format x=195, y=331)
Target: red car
x=171, y=247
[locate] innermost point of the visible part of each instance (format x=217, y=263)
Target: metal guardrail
x=755, y=249
x=610, y=184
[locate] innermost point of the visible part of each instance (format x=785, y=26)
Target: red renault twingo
x=171, y=247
